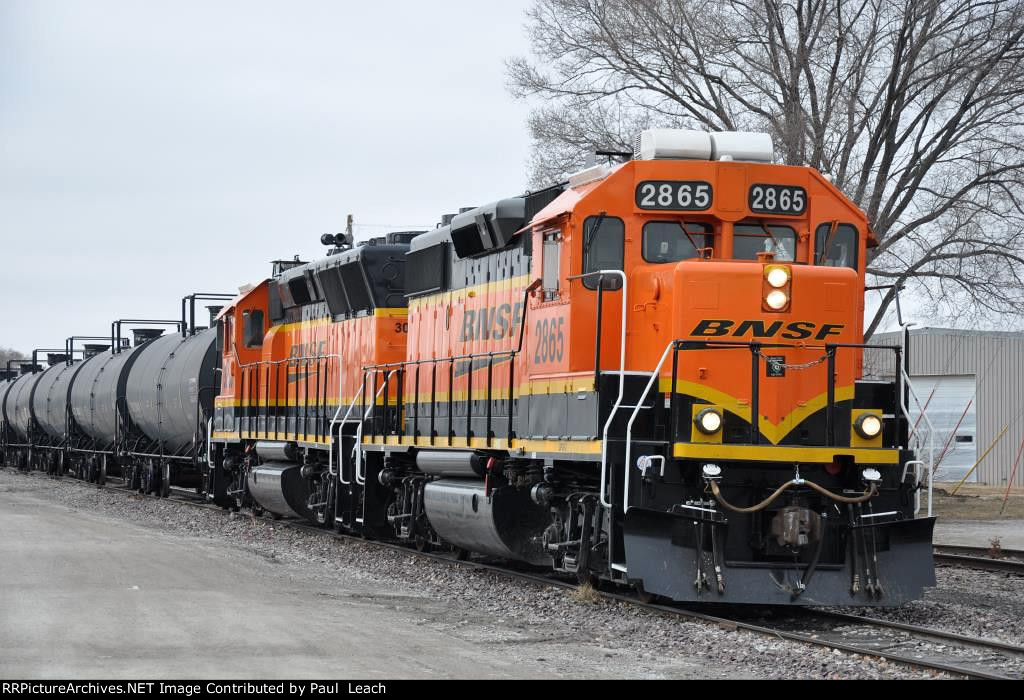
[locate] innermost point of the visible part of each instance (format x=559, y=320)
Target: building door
x=950, y=396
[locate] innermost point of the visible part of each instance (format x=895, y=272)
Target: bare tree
x=914, y=107
x=9, y=354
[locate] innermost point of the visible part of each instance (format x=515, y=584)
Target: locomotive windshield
x=836, y=246
x=668, y=241
x=751, y=239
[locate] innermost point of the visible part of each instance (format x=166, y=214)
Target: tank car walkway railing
x=676, y=347
x=255, y=398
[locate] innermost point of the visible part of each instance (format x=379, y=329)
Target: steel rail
x=960, y=561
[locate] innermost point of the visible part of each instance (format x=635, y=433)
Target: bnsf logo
x=493, y=323
x=799, y=330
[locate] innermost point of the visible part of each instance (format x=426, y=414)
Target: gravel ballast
x=495, y=607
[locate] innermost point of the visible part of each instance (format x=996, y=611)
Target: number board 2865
x=778, y=199
x=674, y=195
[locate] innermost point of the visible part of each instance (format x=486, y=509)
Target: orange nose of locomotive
x=762, y=331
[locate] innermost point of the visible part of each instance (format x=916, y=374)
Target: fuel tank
x=278, y=487
x=166, y=385
x=507, y=524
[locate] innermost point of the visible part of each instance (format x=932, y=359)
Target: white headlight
x=778, y=277
x=869, y=426
x=777, y=300
x=709, y=421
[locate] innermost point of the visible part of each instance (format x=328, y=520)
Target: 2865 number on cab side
x=778, y=199
x=674, y=195
x=550, y=345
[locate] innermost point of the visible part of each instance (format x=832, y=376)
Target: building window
x=604, y=245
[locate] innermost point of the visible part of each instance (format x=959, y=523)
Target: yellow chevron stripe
x=774, y=432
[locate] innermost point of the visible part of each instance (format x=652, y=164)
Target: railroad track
x=921, y=647
x=980, y=558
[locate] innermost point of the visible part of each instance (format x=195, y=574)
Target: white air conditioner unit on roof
x=684, y=144
x=673, y=144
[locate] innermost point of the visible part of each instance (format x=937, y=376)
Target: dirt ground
x=973, y=502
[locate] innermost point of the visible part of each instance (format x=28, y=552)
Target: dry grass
x=585, y=594
x=995, y=548
x=975, y=502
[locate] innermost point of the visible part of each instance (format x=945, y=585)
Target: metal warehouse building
x=972, y=383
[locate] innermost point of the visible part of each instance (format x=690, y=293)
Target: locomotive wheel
x=461, y=554
x=422, y=543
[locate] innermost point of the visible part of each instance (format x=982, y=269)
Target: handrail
x=248, y=394
x=655, y=376
x=622, y=374
x=341, y=424
x=471, y=357
x=360, y=477
x=930, y=465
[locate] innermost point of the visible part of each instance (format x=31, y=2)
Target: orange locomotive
x=649, y=375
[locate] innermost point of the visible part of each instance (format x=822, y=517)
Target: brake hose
x=868, y=495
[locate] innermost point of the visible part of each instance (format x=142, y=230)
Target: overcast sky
x=152, y=149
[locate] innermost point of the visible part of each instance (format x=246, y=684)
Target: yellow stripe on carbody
x=774, y=453
x=546, y=387
x=568, y=447
x=327, y=320
x=456, y=295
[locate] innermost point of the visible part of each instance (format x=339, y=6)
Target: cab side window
x=550, y=263
x=253, y=328
x=604, y=242
x=836, y=245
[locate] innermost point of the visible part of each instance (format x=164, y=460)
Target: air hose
x=868, y=495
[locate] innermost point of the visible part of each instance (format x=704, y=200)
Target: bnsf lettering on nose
x=798, y=330
x=492, y=323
